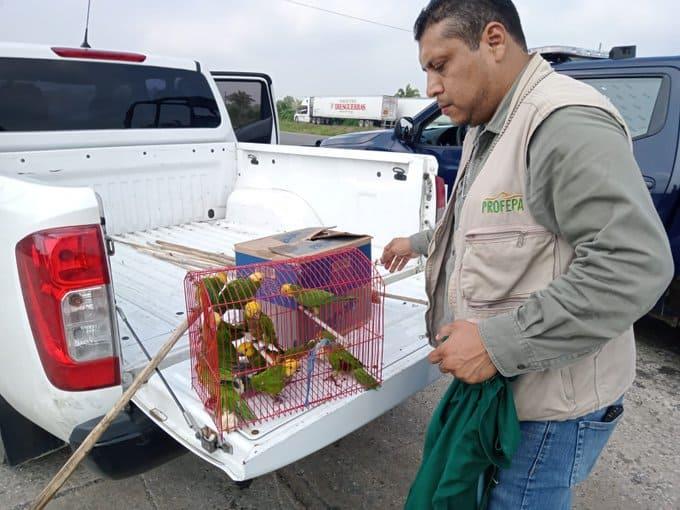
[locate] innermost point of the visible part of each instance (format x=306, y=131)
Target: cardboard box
x=338, y=275
x=346, y=274
x=299, y=243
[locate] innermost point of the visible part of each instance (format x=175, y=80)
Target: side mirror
x=404, y=129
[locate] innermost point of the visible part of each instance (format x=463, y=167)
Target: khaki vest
x=503, y=255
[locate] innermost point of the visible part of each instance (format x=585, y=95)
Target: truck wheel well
x=21, y=439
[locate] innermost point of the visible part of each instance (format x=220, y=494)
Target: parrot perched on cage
x=260, y=325
x=233, y=403
x=254, y=356
x=230, y=388
x=300, y=350
x=226, y=334
x=213, y=286
x=344, y=361
x=203, y=374
x=312, y=299
x=274, y=379
x=231, y=295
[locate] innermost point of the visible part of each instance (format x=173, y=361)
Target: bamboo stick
x=217, y=257
x=187, y=256
x=408, y=299
x=181, y=263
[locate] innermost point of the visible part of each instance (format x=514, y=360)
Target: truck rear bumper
x=132, y=445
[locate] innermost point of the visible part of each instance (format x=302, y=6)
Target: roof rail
x=558, y=54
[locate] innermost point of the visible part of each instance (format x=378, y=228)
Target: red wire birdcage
x=272, y=338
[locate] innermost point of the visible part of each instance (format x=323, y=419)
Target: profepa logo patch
x=503, y=203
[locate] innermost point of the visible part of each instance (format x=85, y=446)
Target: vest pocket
x=484, y=309
x=503, y=266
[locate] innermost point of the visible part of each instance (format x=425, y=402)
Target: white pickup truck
x=98, y=145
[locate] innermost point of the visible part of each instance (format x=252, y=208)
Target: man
x=549, y=250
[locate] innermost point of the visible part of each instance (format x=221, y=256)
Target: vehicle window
x=440, y=131
x=303, y=110
x=440, y=121
x=635, y=97
x=61, y=95
x=246, y=101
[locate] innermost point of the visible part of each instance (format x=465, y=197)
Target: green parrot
x=231, y=295
x=204, y=375
x=299, y=350
x=230, y=397
x=233, y=403
x=313, y=299
x=226, y=375
x=254, y=356
x=343, y=361
x=226, y=334
x=213, y=285
x=260, y=325
x=274, y=379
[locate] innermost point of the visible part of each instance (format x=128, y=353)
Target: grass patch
x=300, y=127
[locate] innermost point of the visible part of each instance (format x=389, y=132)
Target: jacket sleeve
x=584, y=184
x=421, y=241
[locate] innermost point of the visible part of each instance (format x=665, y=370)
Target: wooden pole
x=216, y=257
x=407, y=299
x=402, y=275
x=179, y=255
x=67, y=469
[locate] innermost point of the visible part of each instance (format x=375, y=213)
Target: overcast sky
x=309, y=52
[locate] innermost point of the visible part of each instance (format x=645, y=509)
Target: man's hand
x=463, y=353
x=397, y=254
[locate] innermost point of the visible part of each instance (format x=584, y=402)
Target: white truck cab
x=104, y=152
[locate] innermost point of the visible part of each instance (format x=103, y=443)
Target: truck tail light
x=65, y=280
x=440, y=194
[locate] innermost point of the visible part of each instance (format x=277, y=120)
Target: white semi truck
x=412, y=106
x=378, y=111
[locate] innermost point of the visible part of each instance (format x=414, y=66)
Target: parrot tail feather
x=246, y=413
x=365, y=379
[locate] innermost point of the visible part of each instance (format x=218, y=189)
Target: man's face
x=457, y=76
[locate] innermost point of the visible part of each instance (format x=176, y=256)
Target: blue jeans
x=552, y=458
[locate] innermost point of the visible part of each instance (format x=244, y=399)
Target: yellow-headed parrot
x=230, y=295
x=312, y=299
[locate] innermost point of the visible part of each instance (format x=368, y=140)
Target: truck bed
x=150, y=291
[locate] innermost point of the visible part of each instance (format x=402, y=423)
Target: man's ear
x=495, y=37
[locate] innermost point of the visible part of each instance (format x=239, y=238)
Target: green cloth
x=473, y=431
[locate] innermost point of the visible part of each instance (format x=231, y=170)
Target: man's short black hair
x=466, y=19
